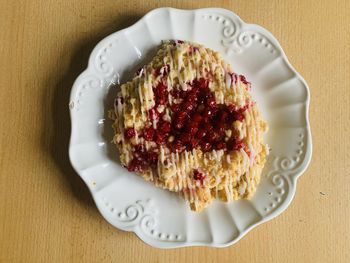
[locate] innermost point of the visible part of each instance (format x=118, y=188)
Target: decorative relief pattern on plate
x=282, y=167
x=144, y=215
x=235, y=41
x=89, y=82
x=230, y=29
x=101, y=62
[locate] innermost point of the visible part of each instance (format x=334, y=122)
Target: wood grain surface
x=46, y=212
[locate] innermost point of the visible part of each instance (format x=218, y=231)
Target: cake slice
x=187, y=123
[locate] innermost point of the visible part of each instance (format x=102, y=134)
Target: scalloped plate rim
x=301, y=169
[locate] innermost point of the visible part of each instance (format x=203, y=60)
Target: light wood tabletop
x=46, y=211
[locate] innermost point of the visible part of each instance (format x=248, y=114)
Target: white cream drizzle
x=198, y=63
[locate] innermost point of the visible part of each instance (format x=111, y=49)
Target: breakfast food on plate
x=187, y=123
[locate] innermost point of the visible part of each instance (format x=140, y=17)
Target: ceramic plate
x=160, y=218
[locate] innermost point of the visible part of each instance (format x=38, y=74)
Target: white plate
x=158, y=217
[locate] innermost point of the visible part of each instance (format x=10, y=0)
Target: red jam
x=197, y=121
x=198, y=176
x=129, y=133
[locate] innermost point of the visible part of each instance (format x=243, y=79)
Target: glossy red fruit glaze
x=164, y=127
x=182, y=115
x=236, y=113
x=194, y=142
x=178, y=124
x=175, y=93
x=135, y=165
x=211, y=102
x=234, y=144
x=231, y=108
x=211, y=136
x=177, y=146
x=192, y=97
x=192, y=128
x=179, y=121
x=175, y=108
x=197, y=118
x=217, y=136
x=197, y=121
x=204, y=94
x=198, y=176
x=152, y=158
x=129, y=133
x=239, y=114
x=207, y=115
x=201, y=133
x=188, y=106
x=220, y=145
x=161, y=94
x=184, y=138
x=207, y=127
x=222, y=116
x=159, y=138
x=220, y=127
x=206, y=146
x=148, y=133
x=161, y=88
x=201, y=83
x=182, y=94
x=162, y=101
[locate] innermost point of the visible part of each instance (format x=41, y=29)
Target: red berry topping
x=197, y=118
x=159, y=138
x=135, y=165
x=188, y=106
x=220, y=145
x=184, y=138
x=177, y=146
x=201, y=83
x=197, y=121
x=206, y=146
x=148, y=133
x=234, y=144
x=198, y=176
x=129, y=133
x=201, y=133
x=175, y=108
x=192, y=128
x=164, y=127
x=211, y=102
x=194, y=142
x=152, y=158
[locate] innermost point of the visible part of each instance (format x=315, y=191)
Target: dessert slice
x=187, y=123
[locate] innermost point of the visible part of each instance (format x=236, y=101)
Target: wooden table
x=46, y=212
